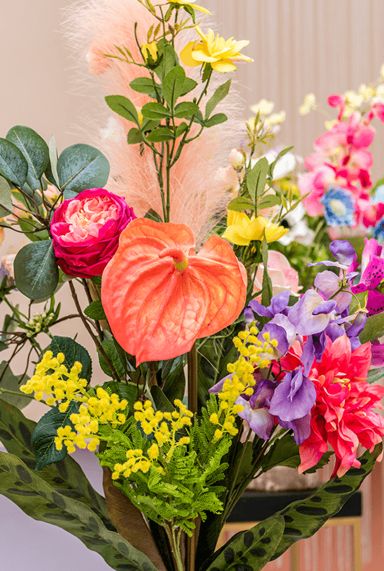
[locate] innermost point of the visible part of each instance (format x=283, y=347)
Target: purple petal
x=218, y=387
x=324, y=308
x=328, y=283
x=302, y=316
x=259, y=309
x=308, y=355
x=357, y=325
x=263, y=394
x=344, y=252
x=260, y=420
x=279, y=334
x=301, y=428
x=294, y=397
x=280, y=302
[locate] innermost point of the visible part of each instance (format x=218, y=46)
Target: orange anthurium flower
x=160, y=296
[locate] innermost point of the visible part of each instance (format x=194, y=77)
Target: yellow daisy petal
x=224, y=66
x=186, y=55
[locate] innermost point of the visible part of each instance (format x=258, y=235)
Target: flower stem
x=192, y=380
x=174, y=537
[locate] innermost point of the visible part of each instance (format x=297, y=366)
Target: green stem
x=174, y=540
x=192, y=380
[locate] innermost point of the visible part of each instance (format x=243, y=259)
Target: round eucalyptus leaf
x=13, y=166
x=81, y=167
x=6, y=206
x=35, y=151
x=36, y=271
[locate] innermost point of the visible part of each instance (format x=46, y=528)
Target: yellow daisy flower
x=214, y=50
x=242, y=230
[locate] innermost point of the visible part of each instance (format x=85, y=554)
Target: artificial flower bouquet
x=211, y=376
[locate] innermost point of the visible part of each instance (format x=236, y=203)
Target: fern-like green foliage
x=183, y=483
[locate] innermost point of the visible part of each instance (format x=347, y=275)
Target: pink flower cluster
x=342, y=161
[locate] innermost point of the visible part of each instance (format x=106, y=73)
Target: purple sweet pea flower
x=279, y=303
x=328, y=284
x=301, y=428
x=311, y=314
x=281, y=329
x=256, y=409
x=294, y=397
x=344, y=253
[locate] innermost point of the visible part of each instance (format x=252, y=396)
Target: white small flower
x=308, y=105
x=263, y=107
x=236, y=159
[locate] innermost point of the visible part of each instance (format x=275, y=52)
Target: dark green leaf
x=127, y=391
x=116, y=358
x=186, y=110
x=145, y=85
x=29, y=228
x=173, y=85
x=155, y=111
x=173, y=379
x=266, y=295
x=36, y=272
x=376, y=375
x=160, y=400
x=13, y=166
x=167, y=57
x=257, y=178
x=189, y=85
x=6, y=206
x=95, y=311
x=160, y=134
x=252, y=549
x=216, y=120
x=181, y=129
x=220, y=94
x=43, y=437
x=12, y=382
x=51, y=172
x=123, y=107
x=35, y=151
x=73, y=352
x=284, y=452
x=240, y=204
x=43, y=502
x=81, y=167
x=135, y=136
x=374, y=328
x=152, y=215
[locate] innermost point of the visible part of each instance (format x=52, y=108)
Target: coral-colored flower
x=160, y=296
x=85, y=231
x=344, y=415
x=214, y=50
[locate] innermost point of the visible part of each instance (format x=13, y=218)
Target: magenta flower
x=85, y=231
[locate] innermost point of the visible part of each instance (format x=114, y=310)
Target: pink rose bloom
x=85, y=231
x=283, y=276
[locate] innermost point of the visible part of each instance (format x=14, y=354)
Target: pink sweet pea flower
x=344, y=416
x=283, y=276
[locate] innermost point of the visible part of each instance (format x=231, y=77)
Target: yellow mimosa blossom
x=253, y=353
x=190, y=4
x=54, y=384
x=150, y=51
x=214, y=50
x=242, y=230
x=308, y=105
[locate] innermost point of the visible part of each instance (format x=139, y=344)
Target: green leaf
x=116, y=356
x=51, y=172
x=374, y=328
x=279, y=156
x=173, y=85
x=220, y=94
x=181, y=129
x=189, y=85
x=266, y=295
x=152, y=215
x=284, y=452
x=36, y=272
x=123, y=107
x=216, y=120
x=38, y=499
x=95, y=311
x=29, y=229
x=376, y=375
x=13, y=166
x=145, y=85
x=135, y=136
x=269, y=201
x=81, y=167
x=73, y=352
x=127, y=391
x=359, y=301
x=35, y=151
x=66, y=476
x=252, y=549
x=173, y=379
x=43, y=438
x=6, y=206
x=160, y=400
x=240, y=204
x=167, y=57
x=186, y=110
x=155, y=111
x=257, y=178
x=12, y=382
x=160, y=134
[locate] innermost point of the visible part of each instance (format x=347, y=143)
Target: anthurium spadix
x=160, y=296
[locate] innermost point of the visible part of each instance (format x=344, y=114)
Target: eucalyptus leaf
x=123, y=107
x=35, y=151
x=13, y=166
x=43, y=502
x=6, y=206
x=218, y=96
x=73, y=352
x=36, y=271
x=81, y=167
x=43, y=438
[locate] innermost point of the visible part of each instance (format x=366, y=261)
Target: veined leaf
x=220, y=94
x=13, y=166
x=160, y=134
x=145, y=85
x=12, y=382
x=123, y=107
x=35, y=151
x=81, y=167
x=73, y=352
x=41, y=501
x=95, y=311
x=240, y=204
x=6, y=206
x=155, y=111
x=36, y=271
x=216, y=120
x=374, y=328
x=186, y=110
x=173, y=85
x=257, y=178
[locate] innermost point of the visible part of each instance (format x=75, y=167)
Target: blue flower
x=339, y=207
x=379, y=231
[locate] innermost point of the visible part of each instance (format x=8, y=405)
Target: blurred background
x=299, y=46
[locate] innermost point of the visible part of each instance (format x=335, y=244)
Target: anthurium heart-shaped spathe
x=160, y=296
